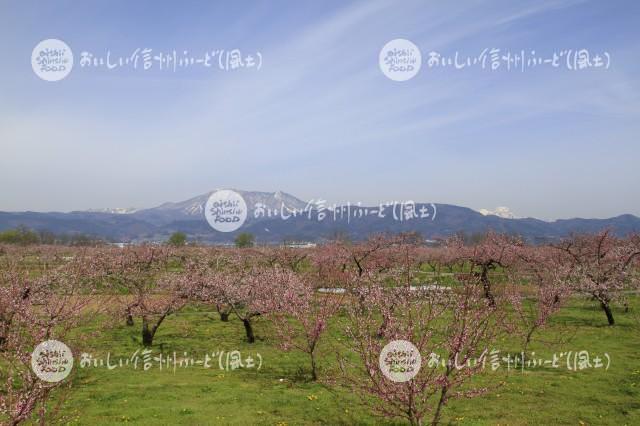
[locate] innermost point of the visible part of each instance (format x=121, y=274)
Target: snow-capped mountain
x=193, y=208
x=116, y=210
x=158, y=223
x=503, y=212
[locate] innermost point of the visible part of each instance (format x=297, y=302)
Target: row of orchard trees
x=373, y=292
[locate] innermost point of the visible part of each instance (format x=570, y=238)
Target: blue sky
x=319, y=119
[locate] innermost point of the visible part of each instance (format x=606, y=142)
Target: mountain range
x=312, y=222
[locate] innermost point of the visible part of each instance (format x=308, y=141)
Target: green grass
x=280, y=392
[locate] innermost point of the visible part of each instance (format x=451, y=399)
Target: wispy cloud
x=319, y=119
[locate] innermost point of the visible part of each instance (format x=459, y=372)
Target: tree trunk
x=486, y=285
x=147, y=333
x=443, y=398
x=414, y=418
x=526, y=343
x=224, y=313
x=607, y=310
x=314, y=372
x=383, y=327
x=42, y=412
x=5, y=326
x=441, y=402
x=249, y=330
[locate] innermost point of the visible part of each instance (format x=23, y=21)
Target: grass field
x=280, y=392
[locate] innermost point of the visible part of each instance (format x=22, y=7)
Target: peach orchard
x=455, y=300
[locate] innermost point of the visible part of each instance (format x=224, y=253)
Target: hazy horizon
x=498, y=210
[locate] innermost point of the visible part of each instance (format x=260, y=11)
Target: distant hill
x=156, y=224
